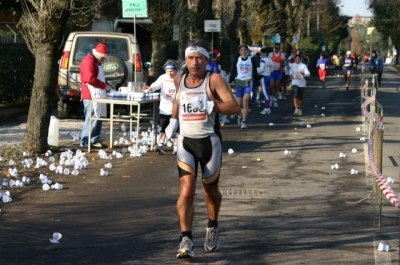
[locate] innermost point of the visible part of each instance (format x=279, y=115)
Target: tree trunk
x=183, y=31
x=35, y=137
x=232, y=29
x=159, y=56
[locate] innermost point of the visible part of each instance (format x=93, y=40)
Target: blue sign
x=276, y=39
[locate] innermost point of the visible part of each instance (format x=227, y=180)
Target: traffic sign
x=212, y=25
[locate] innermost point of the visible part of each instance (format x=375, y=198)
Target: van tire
x=115, y=70
x=64, y=109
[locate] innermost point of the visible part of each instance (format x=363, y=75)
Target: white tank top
x=194, y=124
x=244, y=69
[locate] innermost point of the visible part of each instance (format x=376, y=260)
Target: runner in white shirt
x=298, y=72
x=265, y=70
x=165, y=83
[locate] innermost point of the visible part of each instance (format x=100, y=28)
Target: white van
x=123, y=64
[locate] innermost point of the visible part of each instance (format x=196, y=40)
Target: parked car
x=122, y=65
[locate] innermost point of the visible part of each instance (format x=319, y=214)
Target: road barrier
x=373, y=112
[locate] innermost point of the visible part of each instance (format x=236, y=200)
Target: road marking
x=393, y=161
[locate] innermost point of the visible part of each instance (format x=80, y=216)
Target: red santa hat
x=100, y=50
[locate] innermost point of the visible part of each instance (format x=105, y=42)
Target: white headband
x=192, y=49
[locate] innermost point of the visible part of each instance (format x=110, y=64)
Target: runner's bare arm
x=175, y=106
x=224, y=101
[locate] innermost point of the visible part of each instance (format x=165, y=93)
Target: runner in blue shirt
x=347, y=63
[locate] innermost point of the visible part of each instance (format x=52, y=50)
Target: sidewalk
x=276, y=209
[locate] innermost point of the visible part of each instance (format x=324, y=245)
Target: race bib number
x=190, y=114
x=171, y=93
x=322, y=66
x=298, y=77
x=276, y=65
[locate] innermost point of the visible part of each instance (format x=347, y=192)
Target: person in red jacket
x=94, y=85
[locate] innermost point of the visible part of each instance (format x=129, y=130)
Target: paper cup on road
x=230, y=151
x=26, y=179
x=353, y=171
x=335, y=166
x=6, y=198
x=354, y=150
x=390, y=180
x=383, y=248
x=5, y=182
x=58, y=186
x=12, y=183
x=287, y=152
x=46, y=187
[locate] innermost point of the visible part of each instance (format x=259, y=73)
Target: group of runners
x=272, y=74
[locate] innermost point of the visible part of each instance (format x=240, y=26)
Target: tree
x=42, y=24
x=387, y=17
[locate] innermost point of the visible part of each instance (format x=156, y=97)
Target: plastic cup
x=383, y=248
x=12, y=183
x=66, y=171
x=26, y=179
x=46, y=187
x=6, y=198
x=5, y=182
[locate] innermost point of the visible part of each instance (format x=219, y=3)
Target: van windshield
x=115, y=46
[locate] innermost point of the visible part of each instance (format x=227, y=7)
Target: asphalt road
x=276, y=209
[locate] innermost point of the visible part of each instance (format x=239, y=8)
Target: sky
x=355, y=7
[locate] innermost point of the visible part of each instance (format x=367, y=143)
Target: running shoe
x=185, y=248
x=274, y=104
x=99, y=145
x=347, y=87
x=266, y=111
x=243, y=125
x=161, y=150
x=296, y=112
x=300, y=112
x=211, y=243
x=239, y=120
